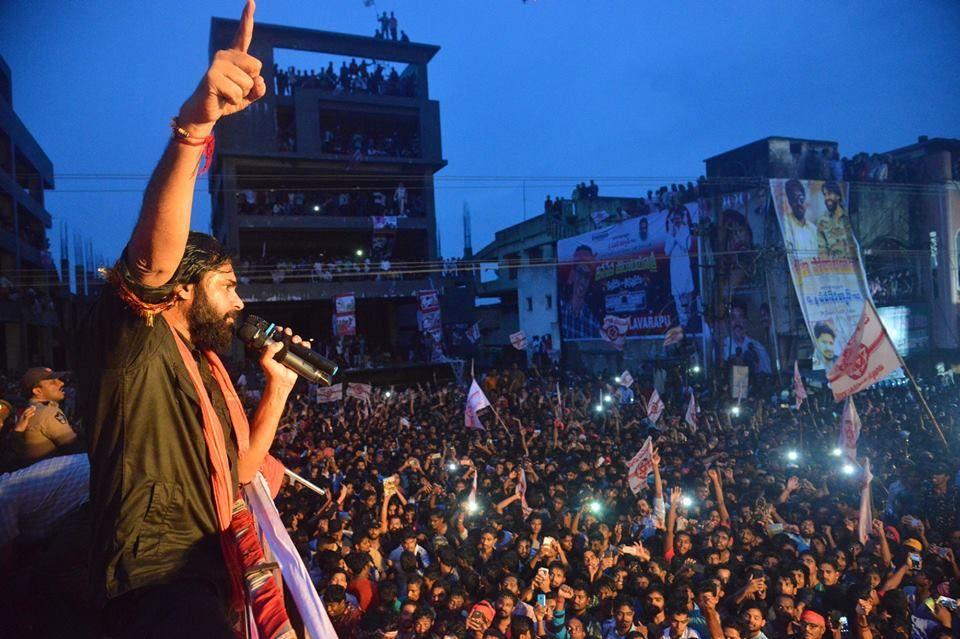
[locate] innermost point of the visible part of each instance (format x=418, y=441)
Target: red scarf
x=239, y=543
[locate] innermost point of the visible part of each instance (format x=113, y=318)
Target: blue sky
x=556, y=89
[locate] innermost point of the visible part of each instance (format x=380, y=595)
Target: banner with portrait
x=744, y=330
x=430, y=323
x=384, y=238
x=643, y=269
x=345, y=315
x=828, y=276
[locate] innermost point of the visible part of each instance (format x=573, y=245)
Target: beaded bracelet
x=182, y=136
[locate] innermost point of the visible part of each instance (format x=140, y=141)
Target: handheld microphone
x=258, y=333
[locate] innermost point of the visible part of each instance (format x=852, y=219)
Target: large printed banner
x=345, y=317
x=824, y=259
x=430, y=323
x=740, y=278
x=384, y=238
x=642, y=269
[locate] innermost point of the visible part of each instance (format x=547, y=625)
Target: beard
x=210, y=331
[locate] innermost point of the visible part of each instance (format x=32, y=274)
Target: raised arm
x=676, y=494
x=885, y=555
x=659, y=506
x=718, y=493
x=501, y=506
x=231, y=84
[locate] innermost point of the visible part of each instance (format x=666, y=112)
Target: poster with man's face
x=642, y=269
x=824, y=262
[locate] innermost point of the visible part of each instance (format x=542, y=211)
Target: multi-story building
x=325, y=186
x=522, y=293
x=904, y=207
x=28, y=320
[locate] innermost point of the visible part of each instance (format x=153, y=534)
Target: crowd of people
x=879, y=167
x=862, y=167
x=894, y=287
x=327, y=269
x=389, y=27
x=369, y=78
x=361, y=201
x=746, y=527
x=37, y=299
x=371, y=142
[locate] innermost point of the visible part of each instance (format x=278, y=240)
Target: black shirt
x=154, y=515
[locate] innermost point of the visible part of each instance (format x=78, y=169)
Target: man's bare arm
x=231, y=84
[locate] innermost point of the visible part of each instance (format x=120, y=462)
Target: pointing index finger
x=241, y=41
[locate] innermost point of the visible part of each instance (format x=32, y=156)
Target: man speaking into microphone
x=169, y=442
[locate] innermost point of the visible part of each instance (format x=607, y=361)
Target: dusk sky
x=552, y=90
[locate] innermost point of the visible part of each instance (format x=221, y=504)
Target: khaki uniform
x=834, y=235
x=47, y=431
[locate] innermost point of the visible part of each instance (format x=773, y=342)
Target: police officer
x=47, y=432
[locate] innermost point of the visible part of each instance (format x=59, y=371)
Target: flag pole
x=913, y=382
x=923, y=400
x=497, y=415
x=295, y=477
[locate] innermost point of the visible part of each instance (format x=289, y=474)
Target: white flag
x=654, y=406
x=329, y=393
x=798, y=388
x=868, y=357
x=849, y=430
x=363, y=392
x=279, y=546
x=692, y=416
x=865, y=522
x=522, y=491
x=476, y=401
x=640, y=466
x=519, y=340
x=615, y=330
x=626, y=379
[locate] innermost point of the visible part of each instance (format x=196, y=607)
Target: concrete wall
x=535, y=286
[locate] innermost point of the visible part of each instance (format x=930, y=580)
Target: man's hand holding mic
x=279, y=377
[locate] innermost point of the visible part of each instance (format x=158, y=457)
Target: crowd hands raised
x=727, y=538
x=361, y=202
x=353, y=78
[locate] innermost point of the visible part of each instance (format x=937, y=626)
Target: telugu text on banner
x=827, y=272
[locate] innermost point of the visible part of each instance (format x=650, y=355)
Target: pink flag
x=329, y=393
x=522, y=491
x=692, y=416
x=865, y=522
x=849, y=430
x=654, y=406
x=672, y=336
x=615, y=330
x=798, y=388
x=868, y=357
x=626, y=379
x=640, y=466
x=476, y=401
